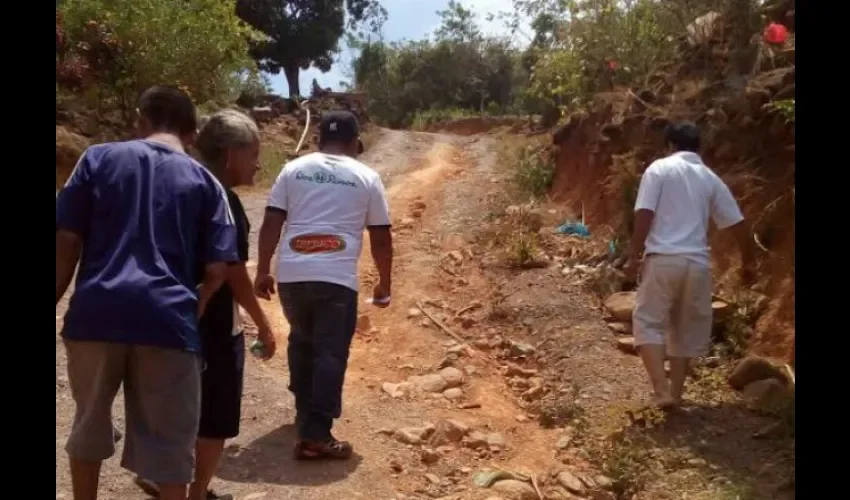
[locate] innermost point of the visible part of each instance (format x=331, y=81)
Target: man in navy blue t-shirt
x=137, y=215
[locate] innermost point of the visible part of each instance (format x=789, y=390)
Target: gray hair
x=221, y=131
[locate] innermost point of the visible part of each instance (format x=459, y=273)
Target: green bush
x=200, y=46
x=534, y=173
x=423, y=119
x=785, y=108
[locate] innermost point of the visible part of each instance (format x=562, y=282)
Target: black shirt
x=221, y=315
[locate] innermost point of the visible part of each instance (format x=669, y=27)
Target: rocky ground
x=496, y=373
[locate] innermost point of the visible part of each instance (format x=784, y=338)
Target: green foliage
x=523, y=249
x=458, y=69
x=272, y=158
x=423, y=119
x=576, y=49
x=534, y=173
x=200, y=46
x=785, y=108
x=582, y=47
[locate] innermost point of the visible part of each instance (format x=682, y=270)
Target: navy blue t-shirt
x=146, y=214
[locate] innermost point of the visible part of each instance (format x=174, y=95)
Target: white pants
x=674, y=306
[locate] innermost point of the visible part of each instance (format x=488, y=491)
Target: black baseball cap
x=340, y=126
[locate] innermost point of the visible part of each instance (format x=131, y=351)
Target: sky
x=407, y=19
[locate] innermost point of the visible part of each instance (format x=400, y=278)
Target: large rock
x=453, y=394
x=621, y=305
x=496, y=441
x=627, y=345
x=399, y=390
x=572, y=483
x=512, y=489
x=621, y=328
x=452, y=376
x=476, y=440
x=412, y=435
x=752, y=369
x=449, y=431
x=431, y=383
x=769, y=395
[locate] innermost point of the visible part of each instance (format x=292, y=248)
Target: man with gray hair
x=229, y=146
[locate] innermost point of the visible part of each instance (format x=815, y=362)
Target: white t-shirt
x=329, y=201
x=684, y=194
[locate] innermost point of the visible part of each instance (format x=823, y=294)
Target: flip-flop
x=149, y=487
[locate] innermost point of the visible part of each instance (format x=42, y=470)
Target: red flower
x=775, y=33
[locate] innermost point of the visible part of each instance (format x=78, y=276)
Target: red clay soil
x=599, y=156
x=475, y=125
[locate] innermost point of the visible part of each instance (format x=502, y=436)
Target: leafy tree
x=457, y=24
x=127, y=46
x=301, y=33
x=459, y=70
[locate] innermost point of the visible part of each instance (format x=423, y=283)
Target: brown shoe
x=323, y=450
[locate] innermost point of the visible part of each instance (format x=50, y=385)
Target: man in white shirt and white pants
x=677, y=197
x=326, y=199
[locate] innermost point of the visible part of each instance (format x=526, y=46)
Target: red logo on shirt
x=317, y=243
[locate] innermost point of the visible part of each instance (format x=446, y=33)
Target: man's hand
x=267, y=338
x=631, y=269
x=264, y=286
x=381, y=295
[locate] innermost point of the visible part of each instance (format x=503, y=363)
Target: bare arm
x=68, y=249
x=381, y=242
x=74, y=205
x=727, y=215
x=270, y=229
x=649, y=193
x=643, y=223
x=741, y=232
x=243, y=291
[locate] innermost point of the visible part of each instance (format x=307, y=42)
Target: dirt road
x=438, y=187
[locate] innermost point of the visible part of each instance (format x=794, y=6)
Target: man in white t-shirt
x=677, y=197
x=326, y=200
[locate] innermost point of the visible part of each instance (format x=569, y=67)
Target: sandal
x=149, y=487
x=327, y=450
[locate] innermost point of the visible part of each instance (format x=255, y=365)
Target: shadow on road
x=269, y=460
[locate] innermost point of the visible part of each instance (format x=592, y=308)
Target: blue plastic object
x=573, y=228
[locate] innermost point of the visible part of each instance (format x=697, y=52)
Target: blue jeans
x=322, y=319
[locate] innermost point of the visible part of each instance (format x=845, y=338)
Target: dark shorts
x=221, y=386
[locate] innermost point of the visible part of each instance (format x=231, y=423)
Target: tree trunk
x=292, y=73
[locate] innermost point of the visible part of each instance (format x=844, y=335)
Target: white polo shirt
x=684, y=194
x=329, y=201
